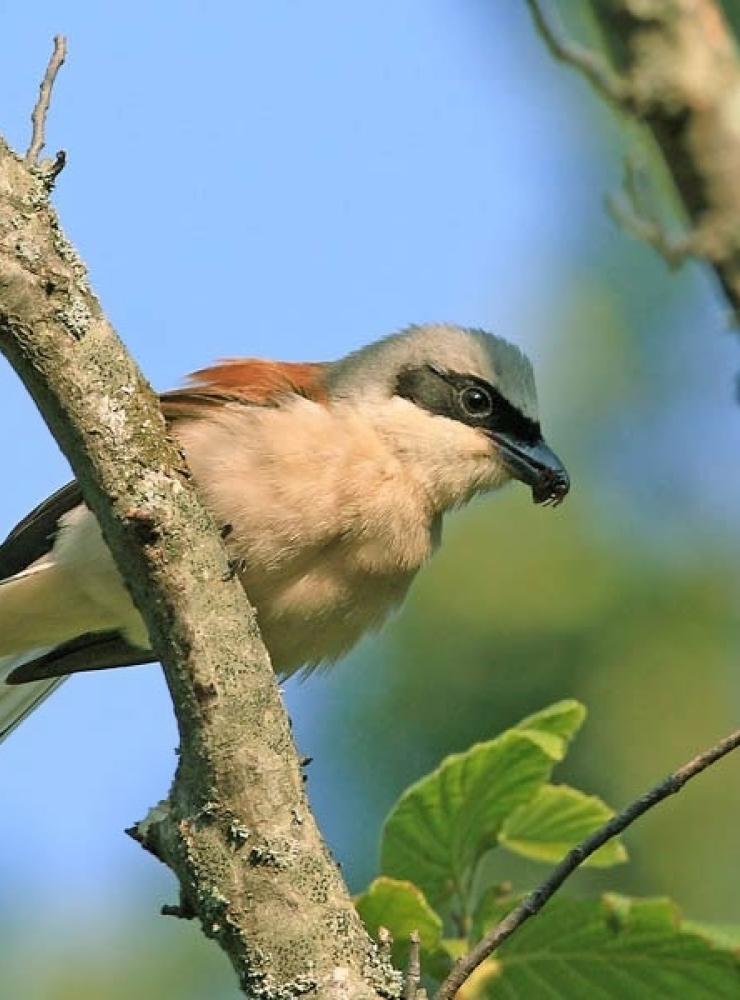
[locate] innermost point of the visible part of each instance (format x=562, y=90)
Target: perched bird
x=330, y=482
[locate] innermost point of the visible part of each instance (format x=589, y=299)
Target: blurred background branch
x=674, y=65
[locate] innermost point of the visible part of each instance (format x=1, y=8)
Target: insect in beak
x=537, y=466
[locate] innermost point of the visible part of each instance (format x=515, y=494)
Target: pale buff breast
x=327, y=527
x=313, y=604
x=314, y=616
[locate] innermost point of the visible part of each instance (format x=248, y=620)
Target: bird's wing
x=33, y=537
x=245, y=381
x=93, y=651
x=249, y=381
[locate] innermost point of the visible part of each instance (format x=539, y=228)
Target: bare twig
x=591, y=64
x=385, y=943
x=413, y=968
x=647, y=229
x=535, y=900
x=635, y=212
x=41, y=109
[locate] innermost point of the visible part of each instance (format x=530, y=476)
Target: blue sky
x=293, y=179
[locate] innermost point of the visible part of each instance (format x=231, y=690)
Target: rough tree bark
x=674, y=65
x=236, y=828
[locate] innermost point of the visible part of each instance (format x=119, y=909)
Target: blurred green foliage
x=129, y=952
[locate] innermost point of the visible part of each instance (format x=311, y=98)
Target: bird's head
x=459, y=406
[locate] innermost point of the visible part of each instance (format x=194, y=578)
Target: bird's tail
x=18, y=701
x=41, y=606
x=37, y=610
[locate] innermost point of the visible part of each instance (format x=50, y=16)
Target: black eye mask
x=444, y=394
x=477, y=403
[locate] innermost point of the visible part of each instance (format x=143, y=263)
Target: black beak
x=537, y=466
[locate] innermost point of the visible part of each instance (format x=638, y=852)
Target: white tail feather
x=41, y=606
x=18, y=701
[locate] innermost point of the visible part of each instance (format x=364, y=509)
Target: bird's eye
x=476, y=401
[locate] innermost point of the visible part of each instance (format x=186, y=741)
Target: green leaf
x=660, y=908
x=723, y=935
x=555, y=726
x=401, y=908
x=554, y=821
x=442, y=825
x=614, y=949
x=653, y=911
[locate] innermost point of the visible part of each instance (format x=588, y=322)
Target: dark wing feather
x=33, y=537
x=94, y=651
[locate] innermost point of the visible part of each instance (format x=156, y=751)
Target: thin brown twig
x=534, y=901
x=41, y=108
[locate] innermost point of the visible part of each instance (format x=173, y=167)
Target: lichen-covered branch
x=236, y=828
x=675, y=65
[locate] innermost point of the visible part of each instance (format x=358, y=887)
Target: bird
x=330, y=482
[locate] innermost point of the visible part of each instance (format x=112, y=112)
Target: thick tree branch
x=533, y=903
x=676, y=67
x=236, y=828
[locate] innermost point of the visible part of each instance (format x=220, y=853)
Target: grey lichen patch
x=28, y=252
x=264, y=854
x=12, y=222
x=69, y=255
x=37, y=195
x=156, y=485
x=75, y=316
x=213, y=907
x=113, y=417
x=261, y=986
x=238, y=834
x=380, y=974
x=317, y=877
x=341, y=922
x=300, y=978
